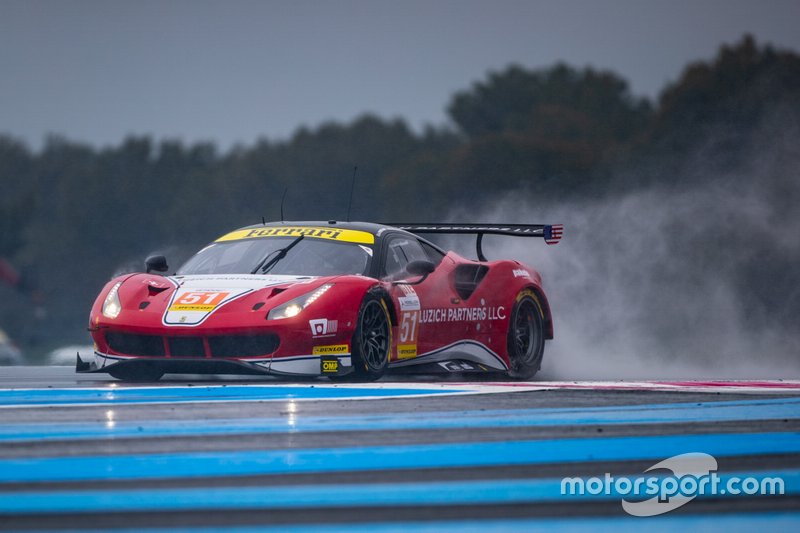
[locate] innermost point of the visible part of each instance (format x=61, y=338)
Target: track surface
x=91, y=453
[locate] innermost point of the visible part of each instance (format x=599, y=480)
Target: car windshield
x=308, y=257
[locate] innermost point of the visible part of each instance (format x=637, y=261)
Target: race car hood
x=195, y=298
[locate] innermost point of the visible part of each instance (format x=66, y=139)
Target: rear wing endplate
x=551, y=233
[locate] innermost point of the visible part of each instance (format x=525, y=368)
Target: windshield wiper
x=281, y=254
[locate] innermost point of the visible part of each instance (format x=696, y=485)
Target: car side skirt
x=465, y=350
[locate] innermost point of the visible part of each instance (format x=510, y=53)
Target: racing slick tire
x=372, y=341
x=137, y=373
x=525, y=336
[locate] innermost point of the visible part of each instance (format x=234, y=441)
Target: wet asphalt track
x=90, y=453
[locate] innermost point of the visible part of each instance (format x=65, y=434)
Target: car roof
x=378, y=230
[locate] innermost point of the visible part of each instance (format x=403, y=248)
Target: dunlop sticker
x=331, y=349
x=406, y=351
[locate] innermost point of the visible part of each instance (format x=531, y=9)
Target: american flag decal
x=552, y=234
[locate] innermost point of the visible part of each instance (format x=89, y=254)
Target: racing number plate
x=409, y=323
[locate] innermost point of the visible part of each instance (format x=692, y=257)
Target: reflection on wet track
x=248, y=455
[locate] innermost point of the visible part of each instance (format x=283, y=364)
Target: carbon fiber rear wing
x=551, y=233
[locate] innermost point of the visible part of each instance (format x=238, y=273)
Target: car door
x=433, y=295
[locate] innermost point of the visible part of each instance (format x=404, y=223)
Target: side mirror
x=418, y=268
x=157, y=263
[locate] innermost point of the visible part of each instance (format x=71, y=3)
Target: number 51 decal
x=408, y=328
x=198, y=301
x=409, y=323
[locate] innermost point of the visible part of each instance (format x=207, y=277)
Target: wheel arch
x=546, y=312
x=387, y=300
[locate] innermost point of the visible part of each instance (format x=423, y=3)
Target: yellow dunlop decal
x=332, y=234
x=203, y=308
x=406, y=351
x=331, y=349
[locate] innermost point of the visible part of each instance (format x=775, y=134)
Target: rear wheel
x=138, y=373
x=372, y=340
x=526, y=336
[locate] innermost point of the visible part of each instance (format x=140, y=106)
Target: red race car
x=348, y=300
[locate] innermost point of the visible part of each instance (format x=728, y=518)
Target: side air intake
x=467, y=279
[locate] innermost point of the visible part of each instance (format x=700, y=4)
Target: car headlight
x=295, y=305
x=112, y=305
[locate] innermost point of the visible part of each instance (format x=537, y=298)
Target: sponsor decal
x=406, y=351
x=463, y=314
x=322, y=327
x=333, y=234
x=521, y=273
x=409, y=327
x=198, y=301
x=331, y=349
x=329, y=365
x=409, y=303
x=190, y=307
x=409, y=322
x=457, y=366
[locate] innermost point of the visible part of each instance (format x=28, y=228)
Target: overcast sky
x=235, y=70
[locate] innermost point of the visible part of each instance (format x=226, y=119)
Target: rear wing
x=551, y=233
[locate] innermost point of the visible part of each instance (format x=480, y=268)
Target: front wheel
x=526, y=336
x=372, y=340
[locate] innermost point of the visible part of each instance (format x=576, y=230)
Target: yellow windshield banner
x=332, y=234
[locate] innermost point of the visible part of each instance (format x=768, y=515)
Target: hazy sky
x=232, y=71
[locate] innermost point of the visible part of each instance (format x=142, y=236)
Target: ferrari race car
x=348, y=300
